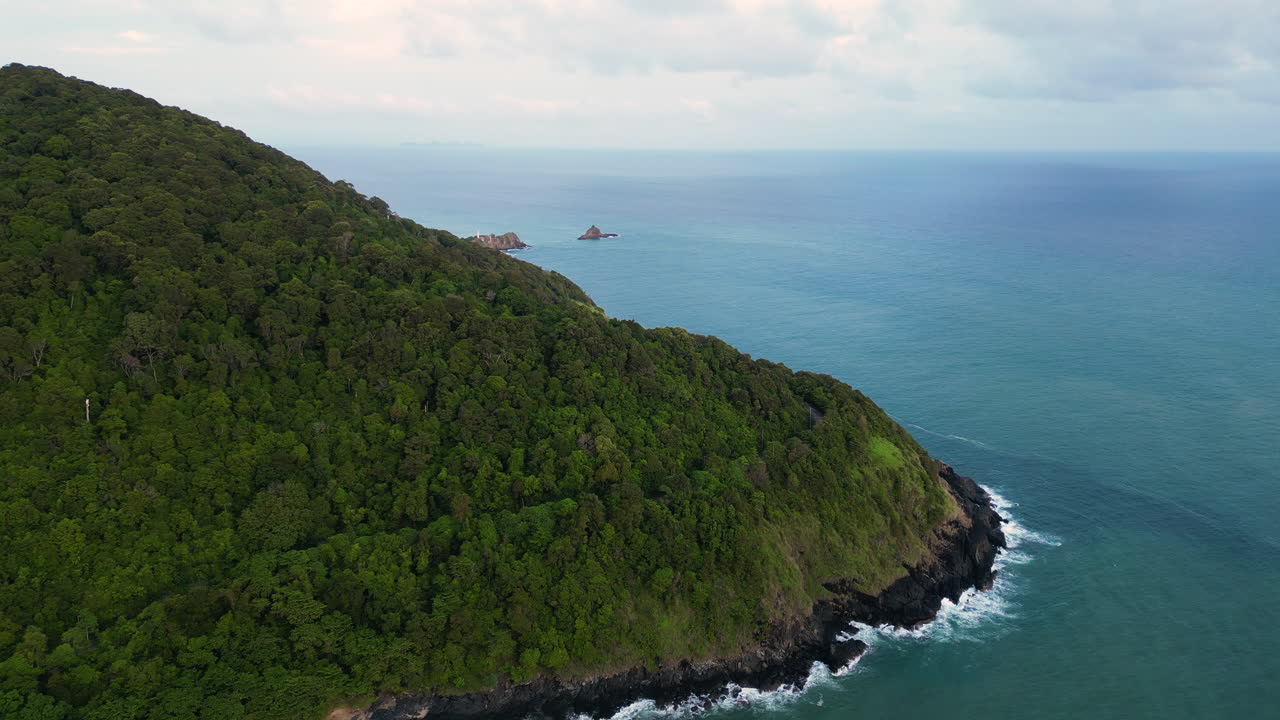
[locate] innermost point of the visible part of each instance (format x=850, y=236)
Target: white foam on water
x=955, y=621
x=961, y=438
x=731, y=697
x=987, y=611
x=1015, y=533
x=990, y=610
x=849, y=667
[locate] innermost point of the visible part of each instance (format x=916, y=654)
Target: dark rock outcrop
x=505, y=241
x=963, y=557
x=964, y=561
x=594, y=233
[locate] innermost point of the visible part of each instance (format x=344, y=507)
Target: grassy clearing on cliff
x=330, y=452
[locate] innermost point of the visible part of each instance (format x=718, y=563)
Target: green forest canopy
x=331, y=452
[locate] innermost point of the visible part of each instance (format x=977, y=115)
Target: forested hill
x=328, y=452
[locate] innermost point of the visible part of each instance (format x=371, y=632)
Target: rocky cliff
x=505, y=241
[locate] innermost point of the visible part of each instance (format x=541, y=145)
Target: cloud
x=311, y=98
x=702, y=108
x=1099, y=51
x=535, y=106
x=136, y=36
x=241, y=21
x=691, y=73
x=939, y=53
x=1074, y=50
x=752, y=37
x=763, y=38
x=114, y=50
x=137, y=42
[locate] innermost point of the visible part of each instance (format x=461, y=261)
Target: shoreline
x=968, y=549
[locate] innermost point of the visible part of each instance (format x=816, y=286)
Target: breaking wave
x=990, y=611
x=731, y=698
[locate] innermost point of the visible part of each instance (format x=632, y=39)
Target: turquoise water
x=1092, y=336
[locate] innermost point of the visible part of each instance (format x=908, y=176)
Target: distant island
x=272, y=451
x=505, y=241
x=440, y=144
x=594, y=233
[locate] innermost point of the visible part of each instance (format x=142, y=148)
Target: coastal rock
x=594, y=233
x=968, y=550
x=505, y=241
x=964, y=553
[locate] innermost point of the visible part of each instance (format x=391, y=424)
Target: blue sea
x=1095, y=338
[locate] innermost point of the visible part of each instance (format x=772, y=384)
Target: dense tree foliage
x=328, y=452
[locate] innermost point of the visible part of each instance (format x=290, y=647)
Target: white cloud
x=953, y=73
x=312, y=98
x=114, y=49
x=535, y=106
x=136, y=36
x=702, y=108
x=1098, y=51
x=136, y=43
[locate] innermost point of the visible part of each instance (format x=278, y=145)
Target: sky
x=690, y=74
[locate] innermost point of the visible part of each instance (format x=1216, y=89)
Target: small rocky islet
x=595, y=233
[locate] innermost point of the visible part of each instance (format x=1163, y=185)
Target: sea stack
x=505, y=241
x=594, y=233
